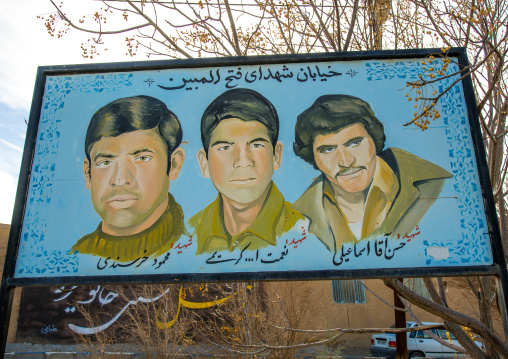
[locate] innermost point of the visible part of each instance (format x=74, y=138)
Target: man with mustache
x=363, y=191
x=239, y=131
x=132, y=152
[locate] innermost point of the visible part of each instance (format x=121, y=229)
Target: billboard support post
x=6, y=294
x=400, y=322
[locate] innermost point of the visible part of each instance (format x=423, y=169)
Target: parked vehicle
x=419, y=344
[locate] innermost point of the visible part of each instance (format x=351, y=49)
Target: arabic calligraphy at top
x=232, y=79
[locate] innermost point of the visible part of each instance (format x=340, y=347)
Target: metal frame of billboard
x=498, y=269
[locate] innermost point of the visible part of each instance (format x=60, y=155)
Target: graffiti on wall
x=59, y=314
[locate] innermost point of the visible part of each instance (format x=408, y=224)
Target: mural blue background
x=59, y=210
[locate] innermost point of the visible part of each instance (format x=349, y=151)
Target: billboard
x=253, y=168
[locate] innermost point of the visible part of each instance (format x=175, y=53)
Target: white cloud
x=8, y=185
x=7, y=143
x=25, y=44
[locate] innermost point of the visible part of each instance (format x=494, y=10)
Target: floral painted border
x=472, y=246
x=36, y=259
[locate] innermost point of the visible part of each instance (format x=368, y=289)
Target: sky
x=25, y=44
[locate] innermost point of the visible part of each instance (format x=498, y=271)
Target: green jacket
x=153, y=241
x=275, y=218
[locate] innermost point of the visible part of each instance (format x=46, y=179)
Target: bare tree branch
x=150, y=21
x=450, y=315
x=100, y=32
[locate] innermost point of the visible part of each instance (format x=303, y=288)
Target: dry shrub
x=231, y=319
x=291, y=307
x=258, y=318
x=151, y=306
x=148, y=319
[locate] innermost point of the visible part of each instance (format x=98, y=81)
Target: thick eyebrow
x=133, y=153
x=324, y=147
x=259, y=139
x=220, y=142
x=141, y=150
x=359, y=138
x=103, y=155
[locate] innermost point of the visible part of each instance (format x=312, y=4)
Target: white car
x=419, y=344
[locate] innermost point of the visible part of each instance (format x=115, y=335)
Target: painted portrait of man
x=131, y=154
x=241, y=151
x=364, y=190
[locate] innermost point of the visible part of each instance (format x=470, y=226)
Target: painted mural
x=61, y=314
x=306, y=166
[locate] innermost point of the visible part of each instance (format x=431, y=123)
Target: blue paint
x=59, y=210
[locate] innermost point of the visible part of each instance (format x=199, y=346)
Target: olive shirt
x=275, y=218
x=153, y=241
x=404, y=187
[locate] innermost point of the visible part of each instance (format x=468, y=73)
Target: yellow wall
x=13, y=324
x=327, y=314
x=375, y=313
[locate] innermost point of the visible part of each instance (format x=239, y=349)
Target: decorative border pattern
x=387, y=71
x=43, y=169
x=471, y=247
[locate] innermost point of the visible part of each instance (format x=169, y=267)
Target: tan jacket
x=419, y=184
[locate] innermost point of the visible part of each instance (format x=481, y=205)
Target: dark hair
x=330, y=114
x=130, y=114
x=244, y=104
